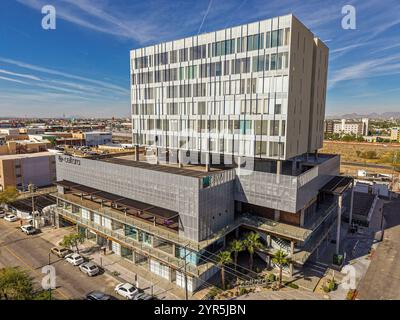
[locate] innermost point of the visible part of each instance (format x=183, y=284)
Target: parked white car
x=28, y=229
x=11, y=218
x=90, y=268
x=2, y=213
x=126, y=290
x=74, y=259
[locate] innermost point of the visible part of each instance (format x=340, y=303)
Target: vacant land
x=364, y=152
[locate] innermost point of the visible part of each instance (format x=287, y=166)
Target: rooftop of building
x=197, y=171
x=190, y=38
x=26, y=155
x=362, y=203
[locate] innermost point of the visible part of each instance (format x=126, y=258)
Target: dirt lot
x=348, y=151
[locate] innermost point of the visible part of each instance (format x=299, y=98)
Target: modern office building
x=256, y=90
x=395, y=134
x=233, y=120
x=358, y=128
x=328, y=126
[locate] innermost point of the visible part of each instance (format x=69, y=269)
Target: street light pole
x=50, y=283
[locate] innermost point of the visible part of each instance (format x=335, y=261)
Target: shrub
x=213, y=292
x=351, y=294
x=291, y=285
x=371, y=154
x=242, y=291
x=330, y=285
x=271, y=277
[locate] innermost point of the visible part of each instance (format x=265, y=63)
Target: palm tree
x=280, y=258
x=223, y=258
x=252, y=242
x=236, y=246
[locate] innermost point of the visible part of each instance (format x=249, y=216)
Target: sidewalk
x=119, y=268
x=126, y=271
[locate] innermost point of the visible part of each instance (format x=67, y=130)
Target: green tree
x=15, y=284
x=73, y=240
x=236, y=246
x=8, y=195
x=280, y=258
x=252, y=242
x=43, y=295
x=223, y=258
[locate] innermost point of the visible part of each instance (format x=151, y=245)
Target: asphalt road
x=382, y=280
x=32, y=253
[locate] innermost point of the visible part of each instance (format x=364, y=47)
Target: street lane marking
x=32, y=269
x=7, y=234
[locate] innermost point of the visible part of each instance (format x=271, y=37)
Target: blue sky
x=82, y=67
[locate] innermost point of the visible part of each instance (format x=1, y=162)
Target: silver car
x=90, y=268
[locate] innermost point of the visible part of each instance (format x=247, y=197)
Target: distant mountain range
x=374, y=115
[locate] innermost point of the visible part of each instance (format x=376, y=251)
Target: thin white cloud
x=205, y=16
x=367, y=69
x=64, y=74
x=22, y=75
x=12, y=80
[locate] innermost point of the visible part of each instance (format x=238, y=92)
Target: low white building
x=96, y=138
x=358, y=128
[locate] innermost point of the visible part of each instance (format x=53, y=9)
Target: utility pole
x=186, y=286
x=50, y=284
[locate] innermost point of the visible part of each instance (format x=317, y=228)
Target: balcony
x=145, y=249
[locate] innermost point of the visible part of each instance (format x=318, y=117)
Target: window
x=283, y=129
x=273, y=61
x=278, y=108
x=268, y=40
x=274, y=128
x=277, y=38
x=173, y=56
x=183, y=55
x=261, y=148
x=201, y=106
x=223, y=48
x=258, y=63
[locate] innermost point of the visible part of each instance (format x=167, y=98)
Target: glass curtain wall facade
x=215, y=95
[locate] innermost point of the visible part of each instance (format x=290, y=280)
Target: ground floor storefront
x=156, y=267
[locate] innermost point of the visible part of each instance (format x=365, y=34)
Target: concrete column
x=239, y=162
x=136, y=153
x=278, y=170
x=339, y=222
x=302, y=217
x=157, y=162
x=291, y=269
x=351, y=205
x=278, y=167
x=277, y=215
x=179, y=157
x=294, y=167
x=207, y=162
x=291, y=248
x=134, y=256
